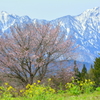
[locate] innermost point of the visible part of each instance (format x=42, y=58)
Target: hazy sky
x=47, y=9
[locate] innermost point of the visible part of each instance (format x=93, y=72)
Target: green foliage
x=76, y=87
x=96, y=71
x=73, y=88
x=98, y=89
x=7, y=91
x=38, y=91
x=87, y=86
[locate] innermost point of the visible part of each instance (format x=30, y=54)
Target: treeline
x=93, y=73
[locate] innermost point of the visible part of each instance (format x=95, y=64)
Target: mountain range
x=85, y=29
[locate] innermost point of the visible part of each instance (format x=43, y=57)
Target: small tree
x=62, y=75
x=28, y=51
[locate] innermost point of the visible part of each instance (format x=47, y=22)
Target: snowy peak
x=92, y=12
x=7, y=20
x=4, y=13
x=90, y=20
x=6, y=16
x=89, y=14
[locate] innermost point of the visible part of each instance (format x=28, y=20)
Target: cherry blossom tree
x=28, y=51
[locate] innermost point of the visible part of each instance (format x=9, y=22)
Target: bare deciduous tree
x=27, y=52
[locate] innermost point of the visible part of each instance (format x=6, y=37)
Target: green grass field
x=63, y=96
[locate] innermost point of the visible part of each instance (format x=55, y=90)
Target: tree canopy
x=28, y=51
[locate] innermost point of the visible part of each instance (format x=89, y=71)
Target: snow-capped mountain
x=85, y=29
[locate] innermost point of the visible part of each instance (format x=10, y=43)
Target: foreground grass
x=59, y=96
x=91, y=96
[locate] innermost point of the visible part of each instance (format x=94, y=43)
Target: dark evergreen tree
x=84, y=70
x=76, y=70
x=96, y=71
x=91, y=66
x=84, y=73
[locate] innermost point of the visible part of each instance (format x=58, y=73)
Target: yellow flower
x=72, y=77
x=85, y=80
x=9, y=88
x=49, y=79
x=91, y=82
x=30, y=91
x=51, y=90
x=34, y=83
x=28, y=86
x=38, y=81
x=21, y=91
x=81, y=84
x=6, y=83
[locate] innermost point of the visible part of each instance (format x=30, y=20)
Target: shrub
x=7, y=91
x=76, y=87
x=73, y=88
x=36, y=90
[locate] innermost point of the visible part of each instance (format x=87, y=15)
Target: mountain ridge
x=84, y=27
